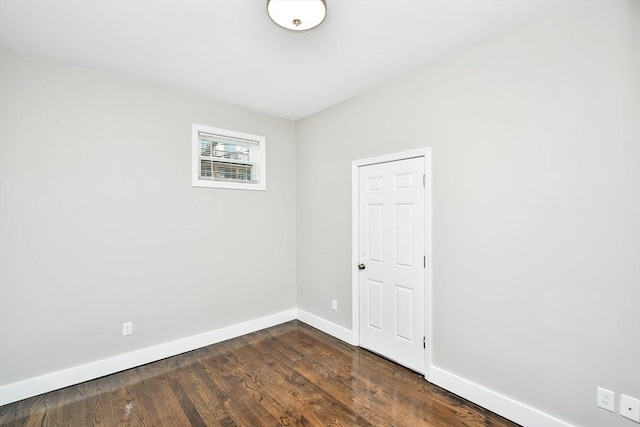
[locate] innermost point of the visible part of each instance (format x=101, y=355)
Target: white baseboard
x=60, y=379
x=502, y=405
x=327, y=327
x=489, y=399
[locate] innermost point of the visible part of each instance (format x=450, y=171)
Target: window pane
x=226, y=171
x=231, y=151
x=205, y=148
x=225, y=148
x=232, y=171
x=205, y=169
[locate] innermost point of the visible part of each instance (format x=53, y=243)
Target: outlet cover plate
x=606, y=399
x=630, y=408
x=127, y=329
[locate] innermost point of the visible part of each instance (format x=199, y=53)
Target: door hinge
x=424, y=261
x=424, y=180
x=424, y=342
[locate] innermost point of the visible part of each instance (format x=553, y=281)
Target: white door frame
x=425, y=153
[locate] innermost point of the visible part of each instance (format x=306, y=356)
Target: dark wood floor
x=288, y=375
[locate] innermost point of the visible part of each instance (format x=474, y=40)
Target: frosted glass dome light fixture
x=297, y=15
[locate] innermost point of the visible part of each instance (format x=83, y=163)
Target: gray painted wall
x=536, y=207
x=100, y=224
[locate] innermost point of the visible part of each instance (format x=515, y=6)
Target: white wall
x=536, y=207
x=100, y=224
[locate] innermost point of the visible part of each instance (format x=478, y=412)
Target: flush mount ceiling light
x=297, y=15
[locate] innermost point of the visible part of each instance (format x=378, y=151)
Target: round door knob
x=361, y=266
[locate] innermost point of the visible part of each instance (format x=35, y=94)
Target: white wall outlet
x=606, y=399
x=334, y=304
x=630, y=408
x=127, y=328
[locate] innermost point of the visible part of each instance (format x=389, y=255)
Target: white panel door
x=391, y=244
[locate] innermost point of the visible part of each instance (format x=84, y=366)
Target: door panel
x=375, y=232
x=374, y=305
x=404, y=313
x=404, y=235
x=391, y=210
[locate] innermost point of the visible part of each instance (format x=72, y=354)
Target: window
x=228, y=159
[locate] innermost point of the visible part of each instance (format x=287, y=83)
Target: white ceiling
x=229, y=50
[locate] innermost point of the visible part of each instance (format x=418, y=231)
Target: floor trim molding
x=64, y=378
x=495, y=402
x=327, y=327
x=489, y=399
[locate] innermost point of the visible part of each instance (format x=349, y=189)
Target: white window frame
x=258, y=148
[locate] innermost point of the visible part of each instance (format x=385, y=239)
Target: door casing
x=425, y=153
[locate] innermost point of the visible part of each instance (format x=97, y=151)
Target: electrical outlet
x=334, y=304
x=127, y=328
x=606, y=399
x=630, y=408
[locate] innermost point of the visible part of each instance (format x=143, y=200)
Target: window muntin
x=236, y=160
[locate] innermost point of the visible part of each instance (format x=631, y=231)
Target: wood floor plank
x=74, y=410
x=41, y=411
x=306, y=371
x=288, y=375
x=371, y=393
x=169, y=411
x=313, y=394
x=227, y=376
x=287, y=401
x=132, y=401
x=207, y=397
x=8, y=414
